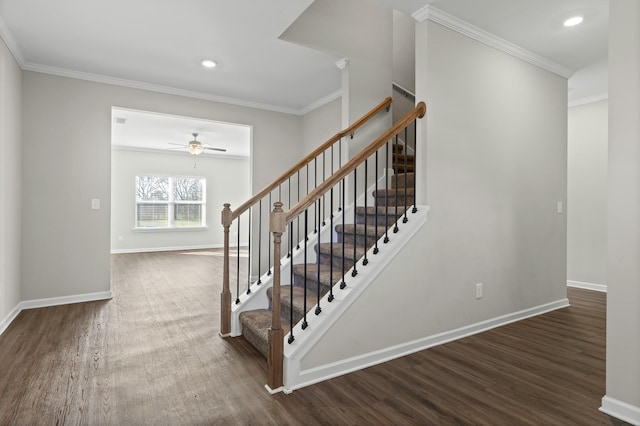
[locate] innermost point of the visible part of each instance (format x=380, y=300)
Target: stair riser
x=391, y=201
x=312, y=283
x=325, y=259
x=398, y=181
x=400, y=168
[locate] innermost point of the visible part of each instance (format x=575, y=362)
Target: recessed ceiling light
x=573, y=21
x=208, y=63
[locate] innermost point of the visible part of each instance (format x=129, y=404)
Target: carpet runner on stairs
x=390, y=206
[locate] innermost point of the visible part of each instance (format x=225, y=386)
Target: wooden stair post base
x=274, y=360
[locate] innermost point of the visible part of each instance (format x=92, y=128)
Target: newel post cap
x=277, y=220
x=226, y=215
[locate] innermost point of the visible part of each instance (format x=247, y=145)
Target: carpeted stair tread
x=355, y=234
x=349, y=259
x=326, y=279
x=401, y=168
x=360, y=229
x=298, y=301
x=255, y=328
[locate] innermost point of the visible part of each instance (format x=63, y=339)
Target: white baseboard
x=587, y=286
x=153, y=249
x=345, y=366
x=52, y=301
x=65, y=300
x=9, y=319
x=621, y=410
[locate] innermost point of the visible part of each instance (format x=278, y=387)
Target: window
x=170, y=202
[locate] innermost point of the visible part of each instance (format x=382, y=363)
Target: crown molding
x=588, y=99
x=321, y=102
x=98, y=78
x=478, y=34
x=8, y=39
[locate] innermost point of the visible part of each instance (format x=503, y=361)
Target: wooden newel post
x=225, y=295
x=277, y=224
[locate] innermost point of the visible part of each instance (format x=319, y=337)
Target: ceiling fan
x=196, y=147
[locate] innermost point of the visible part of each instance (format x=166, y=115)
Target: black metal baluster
x=406, y=171
x=269, y=233
x=318, y=309
x=259, y=242
x=324, y=200
x=341, y=195
x=291, y=338
x=375, y=206
x=289, y=207
x=395, y=189
x=365, y=261
x=355, y=243
x=386, y=194
x=415, y=159
x=298, y=218
x=304, y=302
x=343, y=284
x=315, y=185
x=330, y=298
x=238, y=265
x=249, y=257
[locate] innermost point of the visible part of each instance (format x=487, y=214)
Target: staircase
x=301, y=232
x=315, y=278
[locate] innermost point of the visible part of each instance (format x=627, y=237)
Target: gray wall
x=127, y=164
x=10, y=183
x=495, y=156
x=67, y=163
x=587, y=194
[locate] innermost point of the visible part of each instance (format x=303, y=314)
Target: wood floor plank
x=152, y=355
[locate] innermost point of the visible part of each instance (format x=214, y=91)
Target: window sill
x=181, y=229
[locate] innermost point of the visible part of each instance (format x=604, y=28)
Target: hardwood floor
x=151, y=355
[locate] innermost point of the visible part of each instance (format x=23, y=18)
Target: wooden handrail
x=300, y=164
x=418, y=112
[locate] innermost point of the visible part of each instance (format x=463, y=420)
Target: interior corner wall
x=362, y=32
x=496, y=167
x=67, y=163
x=404, y=51
x=220, y=189
x=321, y=124
x=587, y=193
x=10, y=184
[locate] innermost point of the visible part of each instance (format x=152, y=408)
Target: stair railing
x=395, y=207
x=250, y=263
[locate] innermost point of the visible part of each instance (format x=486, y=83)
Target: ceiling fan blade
x=210, y=148
x=178, y=144
x=178, y=147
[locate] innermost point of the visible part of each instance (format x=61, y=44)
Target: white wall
x=221, y=188
x=10, y=184
x=67, y=125
x=321, y=124
x=404, y=51
x=495, y=156
x=587, y=194
x=623, y=214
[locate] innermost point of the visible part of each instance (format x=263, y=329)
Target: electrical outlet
x=120, y=238
x=479, y=291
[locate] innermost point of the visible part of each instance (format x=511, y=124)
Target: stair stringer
x=295, y=376
x=257, y=298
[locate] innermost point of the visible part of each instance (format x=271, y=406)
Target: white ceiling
x=145, y=130
x=159, y=44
